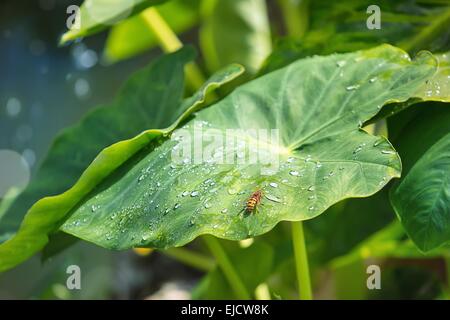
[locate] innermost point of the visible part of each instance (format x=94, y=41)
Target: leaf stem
x=262, y=292
x=295, y=14
x=227, y=268
x=190, y=258
x=170, y=42
x=441, y=22
x=301, y=261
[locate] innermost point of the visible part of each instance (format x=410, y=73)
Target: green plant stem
x=190, y=258
x=301, y=261
x=295, y=14
x=441, y=22
x=262, y=292
x=170, y=42
x=227, y=268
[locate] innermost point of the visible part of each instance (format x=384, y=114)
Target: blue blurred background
x=44, y=88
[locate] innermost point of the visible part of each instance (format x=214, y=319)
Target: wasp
x=253, y=201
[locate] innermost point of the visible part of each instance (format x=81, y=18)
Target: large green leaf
x=436, y=88
x=158, y=87
x=422, y=198
x=235, y=32
x=316, y=104
x=96, y=15
x=133, y=36
x=143, y=101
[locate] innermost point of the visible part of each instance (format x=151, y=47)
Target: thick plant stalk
x=295, y=16
x=262, y=292
x=441, y=22
x=301, y=261
x=227, y=268
x=169, y=42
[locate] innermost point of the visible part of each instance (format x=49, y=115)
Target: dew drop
x=388, y=152
x=318, y=165
x=311, y=208
x=372, y=80
x=352, y=87
x=294, y=173
x=224, y=210
x=341, y=63
x=185, y=193
x=378, y=142
x=194, y=193
x=311, y=188
x=274, y=185
x=176, y=206
x=358, y=149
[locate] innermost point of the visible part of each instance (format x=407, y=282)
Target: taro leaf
x=436, y=88
x=132, y=36
x=143, y=101
x=235, y=32
x=321, y=156
x=422, y=198
x=70, y=154
x=96, y=15
x=46, y=215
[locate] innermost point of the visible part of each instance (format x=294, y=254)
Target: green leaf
x=158, y=87
x=422, y=198
x=143, y=101
x=132, y=36
x=317, y=105
x=436, y=88
x=230, y=34
x=97, y=15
